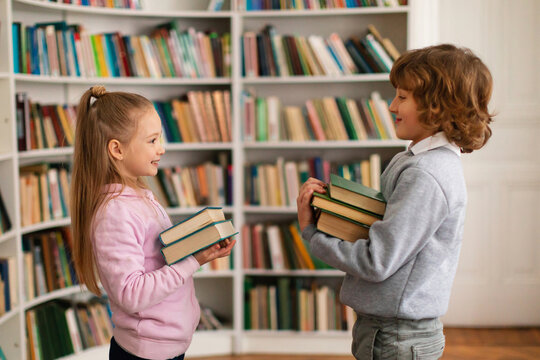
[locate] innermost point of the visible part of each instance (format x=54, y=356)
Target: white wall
x=498, y=280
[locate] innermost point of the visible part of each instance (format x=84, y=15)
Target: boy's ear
x=115, y=149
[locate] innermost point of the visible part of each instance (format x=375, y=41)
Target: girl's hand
x=303, y=201
x=221, y=249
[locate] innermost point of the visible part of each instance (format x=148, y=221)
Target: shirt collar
x=433, y=142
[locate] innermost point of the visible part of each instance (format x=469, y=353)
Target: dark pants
x=117, y=353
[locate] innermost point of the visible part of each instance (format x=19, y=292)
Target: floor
x=461, y=344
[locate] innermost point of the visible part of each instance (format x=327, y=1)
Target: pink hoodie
x=155, y=311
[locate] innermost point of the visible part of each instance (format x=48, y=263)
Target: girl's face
x=145, y=149
x=407, y=125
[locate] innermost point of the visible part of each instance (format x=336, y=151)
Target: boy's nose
x=393, y=107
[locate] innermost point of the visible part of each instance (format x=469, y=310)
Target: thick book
x=325, y=202
x=341, y=227
x=195, y=222
x=356, y=194
x=200, y=239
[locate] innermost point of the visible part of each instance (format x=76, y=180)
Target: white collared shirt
x=434, y=141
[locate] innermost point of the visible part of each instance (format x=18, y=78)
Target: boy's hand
x=221, y=249
x=303, y=201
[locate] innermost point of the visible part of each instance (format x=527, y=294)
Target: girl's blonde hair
x=452, y=88
x=101, y=117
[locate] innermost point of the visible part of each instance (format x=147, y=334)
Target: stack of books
x=197, y=232
x=348, y=209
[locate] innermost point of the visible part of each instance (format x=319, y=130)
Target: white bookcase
x=222, y=291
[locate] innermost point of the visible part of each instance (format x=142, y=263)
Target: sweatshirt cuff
x=186, y=267
x=308, y=232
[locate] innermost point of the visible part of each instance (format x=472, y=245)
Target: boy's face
x=407, y=125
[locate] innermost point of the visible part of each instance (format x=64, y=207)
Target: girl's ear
x=115, y=149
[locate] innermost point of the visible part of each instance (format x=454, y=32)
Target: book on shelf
x=277, y=247
x=282, y=303
x=59, y=328
x=339, y=118
x=386, y=43
x=47, y=259
x=278, y=184
x=193, y=186
x=257, y=5
x=270, y=54
x=200, y=219
x=59, y=49
x=208, y=235
x=356, y=194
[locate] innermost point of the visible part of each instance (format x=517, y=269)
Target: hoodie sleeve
x=117, y=241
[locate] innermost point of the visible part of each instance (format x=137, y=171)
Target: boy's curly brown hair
x=452, y=88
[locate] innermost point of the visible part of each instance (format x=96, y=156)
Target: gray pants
x=397, y=339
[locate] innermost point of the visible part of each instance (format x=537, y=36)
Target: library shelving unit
x=222, y=291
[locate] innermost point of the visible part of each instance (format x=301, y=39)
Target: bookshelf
x=223, y=291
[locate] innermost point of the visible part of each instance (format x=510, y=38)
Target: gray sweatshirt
x=407, y=266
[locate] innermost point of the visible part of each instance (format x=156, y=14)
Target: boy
x=399, y=279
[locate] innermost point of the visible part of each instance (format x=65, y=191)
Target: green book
x=171, y=121
x=248, y=285
x=94, y=41
x=356, y=194
x=284, y=303
x=347, y=120
x=262, y=121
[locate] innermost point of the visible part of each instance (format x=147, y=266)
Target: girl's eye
x=402, y=97
x=153, y=141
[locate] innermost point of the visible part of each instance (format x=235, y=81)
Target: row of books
x=48, y=263
x=270, y=54
x=59, y=49
x=198, y=116
x=205, y=116
x=8, y=284
x=5, y=221
x=340, y=118
x=277, y=247
x=59, y=328
x=198, y=231
x=348, y=209
x=111, y=4
x=301, y=304
x=44, y=126
x=254, y=5
x=278, y=184
x=44, y=193
x=190, y=186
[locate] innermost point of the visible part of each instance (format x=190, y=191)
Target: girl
x=116, y=222
x=399, y=279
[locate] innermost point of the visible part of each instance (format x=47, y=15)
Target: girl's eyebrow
x=153, y=134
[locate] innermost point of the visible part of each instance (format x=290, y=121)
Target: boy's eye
x=153, y=141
